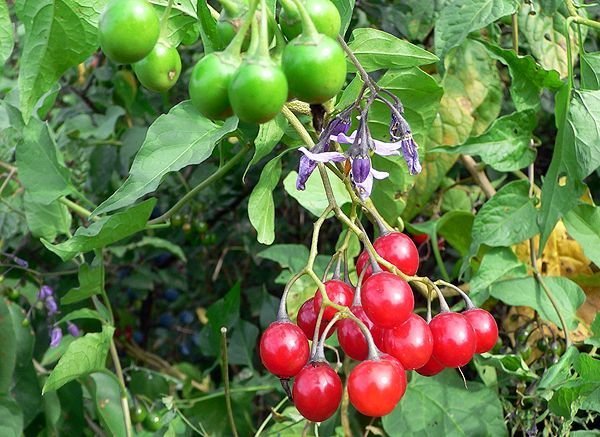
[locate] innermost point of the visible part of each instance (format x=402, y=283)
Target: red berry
x=317, y=391
x=395, y=247
x=351, y=338
x=378, y=334
x=411, y=343
x=420, y=238
x=454, y=339
x=284, y=349
x=432, y=367
x=338, y=292
x=485, y=328
x=376, y=386
x=388, y=300
x=307, y=320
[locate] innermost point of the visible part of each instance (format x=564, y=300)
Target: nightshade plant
x=427, y=265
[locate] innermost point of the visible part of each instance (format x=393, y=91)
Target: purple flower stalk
x=45, y=292
x=55, y=336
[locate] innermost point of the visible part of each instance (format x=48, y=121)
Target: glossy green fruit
x=258, y=91
x=128, y=30
x=160, y=69
x=315, y=70
x=153, y=422
x=323, y=13
x=138, y=412
x=209, y=84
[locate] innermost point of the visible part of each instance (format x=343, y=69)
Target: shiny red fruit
x=317, y=392
x=411, y=343
x=485, y=328
x=388, y=300
x=307, y=320
x=378, y=334
x=338, y=292
x=376, y=386
x=420, y=238
x=454, y=340
x=395, y=247
x=432, y=367
x=284, y=349
x=351, y=338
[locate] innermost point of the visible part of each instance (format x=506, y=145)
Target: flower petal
x=305, y=169
x=343, y=138
x=361, y=167
x=379, y=174
x=387, y=149
x=323, y=157
x=55, y=336
x=364, y=188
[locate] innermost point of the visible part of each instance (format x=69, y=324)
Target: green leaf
x=584, y=119
x=346, y=8
x=261, y=207
x=458, y=19
x=562, y=185
x=497, y=264
x=508, y=364
x=7, y=39
x=269, y=135
x=59, y=34
x=11, y=417
x=507, y=218
x=528, y=77
x=594, y=338
x=224, y=312
x=46, y=221
x=208, y=28
x=545, y=37
x=444, y=407
x=106, y=394
x=455, y=227
x=175, y=140
x=90, y=283
x=560, y=372
x=313, y=197
x=83, y=313
x=41, y=167
x=158, y=243
x=590, y=71
x=528, y=292
x=288, y=256
x=85, y=355
x=583, y=224
x=8, y=351
x=506, y=146
x=105, y=231
x=242, y=345
x=377, y=50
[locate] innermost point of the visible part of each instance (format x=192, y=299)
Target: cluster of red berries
x=397, y=339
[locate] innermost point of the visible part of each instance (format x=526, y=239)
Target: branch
x=478, y=175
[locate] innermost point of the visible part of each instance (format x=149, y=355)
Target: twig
x=478, y=175
x=225, y=370
x=578, y=18
x=263, y=425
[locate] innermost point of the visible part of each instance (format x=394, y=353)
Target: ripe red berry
x=378, y=334
x=307, y=320
x=432, y=367
x=317, y=391
x=420, y=238
x=395, y=247
x=376, y=386
x=284, y=349
x=411, y=343
x=351, y=338
x=454, y=339
x=388, y=300
x=338, y=292
x=485, y=328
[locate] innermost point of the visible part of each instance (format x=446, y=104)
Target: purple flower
x=361, y=167
x=73, y=329
x=55, y=336
x=339, y=125
x=51, y=306
x=364, y=188
x=410, y=152
x=309, y=160
x=45, y=292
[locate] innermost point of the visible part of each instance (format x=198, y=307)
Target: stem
x=225, y=370
x=235, y=46
x=438, y=257
x=282, y=314
x=478, y=175
x=468, y=301
x=124, y=401
x=363, y=73
x=444, y=308
x=77, y=209
x=569, y=49
x=319, y=354
x=538, y=275
x=222, y=171
x=268, y=418
x=308, y=27
x=578, y=18
x=298, y=127
x=515, y=33
x=263, y=42
x=164, y=19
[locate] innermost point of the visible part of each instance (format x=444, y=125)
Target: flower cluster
x=361, y=146
x=47, y=297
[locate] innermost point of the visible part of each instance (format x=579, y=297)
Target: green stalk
x=308, y=27
x=235, y=46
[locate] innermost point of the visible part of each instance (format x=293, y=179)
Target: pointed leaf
x=261, y=207
x=175, y=140
x=583, y=224
x=7, y=38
